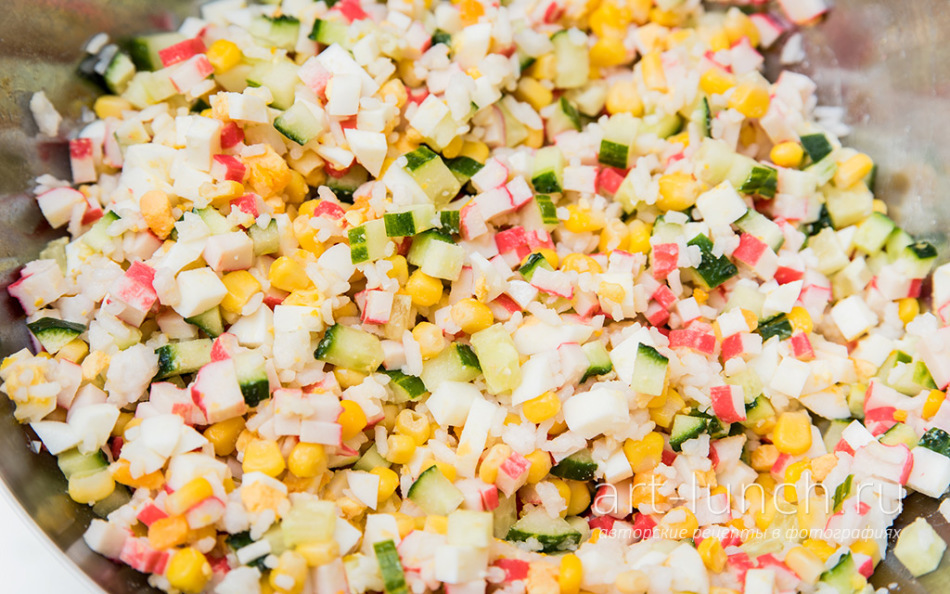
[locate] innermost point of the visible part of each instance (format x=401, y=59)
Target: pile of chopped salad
x=524, y=297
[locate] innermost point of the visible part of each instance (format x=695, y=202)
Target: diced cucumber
x=390, y=567
x=579, y=466
x=56, y=250
x=97, y=237
x=183, y=357
x=450, y=221
x=73, y=463
x=411, y=221
x=405, y=387
x=498, y=358
x=762, y=227
x=350, y=348
x=144, y=50
x=119, y=72
x=240, y=540
x=873, y=232
x=758, y=412
x=544, y=533
x=712, y=270
x=824, y=169
x=762, y=181
x=457, y=363
x=368, y=241
x=547, y=176
x=346, y=185
x=266, y=239
x=701, y=117
x=298, y=123
x=662, y=125
x=918, y=259
x=278, y=75
x=328, y=32
x=209, y=322
x=817, y=146
x=119, y=497
x=434, y=493
x=685, y=427
x=842, y=492
x=899, y=433
x=920, y=548
x=540, y=213
x=848, y=207
x=936, y=439
x=54, y=334
x=598, y=360
x=437, y=255
x=515, y=131
x=463, y=168
x=532, y=263
x=430, y=172
x=252, y=377
x=443, y=37
x=892, y=360
x=910, y=378
x=844, y=577
x=649, y=373
x=714, y=159
x=217, y=223
x=619, y=134
x=855, y=403
x=572, y=64
x=371, y=459
x=777, y=325
x=278, y=31
x=565, y=117
x=896, y=242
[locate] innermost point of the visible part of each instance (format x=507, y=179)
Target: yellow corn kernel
x=580, y=263
x=932, y=404
x=120, y=473
x=470, y=11
x=488, y=469
x=541, y=408
x=472, y=315
x=580, y=498
x=400, y=269
x=662, y=409
x=581, y=220
x=737, y=25
x=192, y=493
x=611, y=292
x=622, y=97
x=307, y=208
x=318, y=553
x=719, y=41
x=437, y=524
x=534, y=140
x=188, y=571
x=867, y=547
x=306, y=235
x=288, y=275
x=540, y=466
x=820, y=548
x=645, y=490
x=533, y=93
x=787, y=154
x=667, y=18
x=347, y=378
x=120, y=424
x=224, y=435
x=712, y=553
x=764, y=516
x=263, y=455
x=307, y=460
x=654, y=77
x=900, y=416
x=453, y=148
x=764, y=457
x=548, y=254
x=564, y=490
x=608, y=51
x=352, y=419
x=241, y=285
x=430, y=338
x=401, y=449
x=224, y=55
x=388, y=482
x=297, y=189
x=290, y=574
x=677, y=524
x=169, y=532
x=800, y=319
x=608, y=18
x=75, y=351
x=613, y=237
x=700, y=296
x=396, y=89
x=413, y=424
x=544, y=68
x=792, y=433
x=110, y=106
x=91, y=487
x=475, y=149
x=632, y=581
x=638, y=241
x=447, y=470
x=571, y=574
x=424, y=290
x=805, y=563
x=879, y=206
x=751, y=100
x=853, y=170
x=907, y=309
x=644, y=454
x=681, y=138
x=792, y=474
x=678, y=191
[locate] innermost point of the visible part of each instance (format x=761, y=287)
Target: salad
x=523, y=297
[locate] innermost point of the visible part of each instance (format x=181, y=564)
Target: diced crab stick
x=728, y=403
x=181, y=51
x=228, y=167
x=82, y=160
